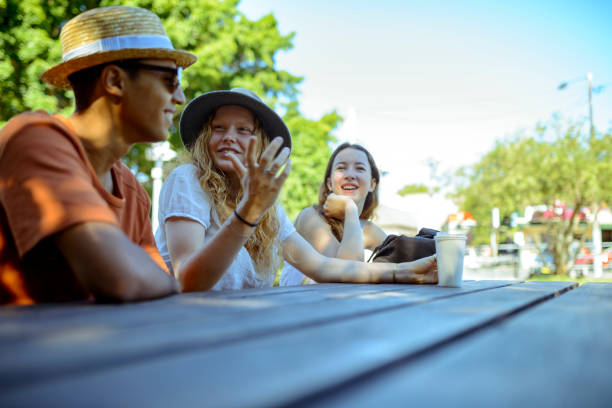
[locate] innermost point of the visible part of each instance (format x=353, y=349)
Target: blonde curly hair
x=262, y=245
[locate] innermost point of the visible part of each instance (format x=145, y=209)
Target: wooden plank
x=59, y=316
x=288, y=366
x=72, y=349
x=23, y=323
x=27, y=323
x=40, y=314
x=558, y=354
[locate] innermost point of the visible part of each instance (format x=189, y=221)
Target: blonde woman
x=341, y=226
x=219, y=225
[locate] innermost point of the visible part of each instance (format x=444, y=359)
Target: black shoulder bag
x=401, y=248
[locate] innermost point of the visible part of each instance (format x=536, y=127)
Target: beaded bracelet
x=243, y=220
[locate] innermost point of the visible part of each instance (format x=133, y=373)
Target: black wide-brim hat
x=199, y=109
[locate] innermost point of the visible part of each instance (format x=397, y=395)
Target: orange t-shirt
x=47, y=184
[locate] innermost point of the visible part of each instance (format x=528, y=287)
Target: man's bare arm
x=110, y=266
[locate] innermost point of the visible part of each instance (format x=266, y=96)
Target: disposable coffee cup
x=450, y=249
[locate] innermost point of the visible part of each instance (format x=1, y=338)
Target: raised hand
x=261, y=182
x=335, y=206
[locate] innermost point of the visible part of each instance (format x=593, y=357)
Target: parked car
x=544, y=261
x=586, y=257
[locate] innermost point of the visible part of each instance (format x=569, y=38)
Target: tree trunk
x=562, y=234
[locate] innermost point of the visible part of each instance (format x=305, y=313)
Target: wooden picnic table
x=489, y=343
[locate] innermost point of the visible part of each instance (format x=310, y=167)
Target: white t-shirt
x=291, y=276
x=182, y=196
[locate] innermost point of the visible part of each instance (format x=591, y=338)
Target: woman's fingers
x=285, y=173
x=267, y=157
x=423, y=270
x=238, y=166
x=252, y=152
x=279, y=161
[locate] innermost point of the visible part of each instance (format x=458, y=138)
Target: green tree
x=436, y=183
x=310, y=153
x=28, y=46
x=558, y=162
x=413, y=189
x=232, y=51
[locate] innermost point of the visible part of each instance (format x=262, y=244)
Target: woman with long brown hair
x=341, y=226
x=219, y=225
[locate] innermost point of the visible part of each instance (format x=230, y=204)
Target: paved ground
x=505, y=272
x=498, y=272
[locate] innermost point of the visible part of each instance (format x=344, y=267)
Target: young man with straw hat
x=74, y=221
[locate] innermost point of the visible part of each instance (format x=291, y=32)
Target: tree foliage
x=437, y=182
x=308, y=167
x=28, y=46
x=232, y=51
x=413, y=189
x=558, y=162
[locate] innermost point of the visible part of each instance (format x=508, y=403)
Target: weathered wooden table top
x=489, y=343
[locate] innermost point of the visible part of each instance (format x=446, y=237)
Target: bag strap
x=379, y=248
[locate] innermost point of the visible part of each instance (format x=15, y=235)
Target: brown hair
x=261, y=244
x=371, y=201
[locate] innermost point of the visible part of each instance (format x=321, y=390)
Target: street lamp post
x=589, y=78
x=495, y=227
x=590, y=81
x=596, y=234
x=158, y=153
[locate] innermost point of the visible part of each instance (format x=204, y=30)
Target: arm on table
x=199, y=266
x=110, y=266
x=299, y=253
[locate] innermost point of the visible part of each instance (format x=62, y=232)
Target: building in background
x=460, y=222
x=396, y=222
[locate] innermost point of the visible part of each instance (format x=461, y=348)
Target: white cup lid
x=440, y=236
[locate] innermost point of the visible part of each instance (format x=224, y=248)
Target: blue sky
x=443, y=80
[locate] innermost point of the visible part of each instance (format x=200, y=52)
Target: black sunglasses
x=171, y=83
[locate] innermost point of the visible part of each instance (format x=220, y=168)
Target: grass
x=580, y=280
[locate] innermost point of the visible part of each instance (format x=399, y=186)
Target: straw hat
x=199, y=109
x=107, y=34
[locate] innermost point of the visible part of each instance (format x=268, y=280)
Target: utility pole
x=596, y=236
x=592, y=129
x=495, y=226
x=589, y=77
x=158, y=153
